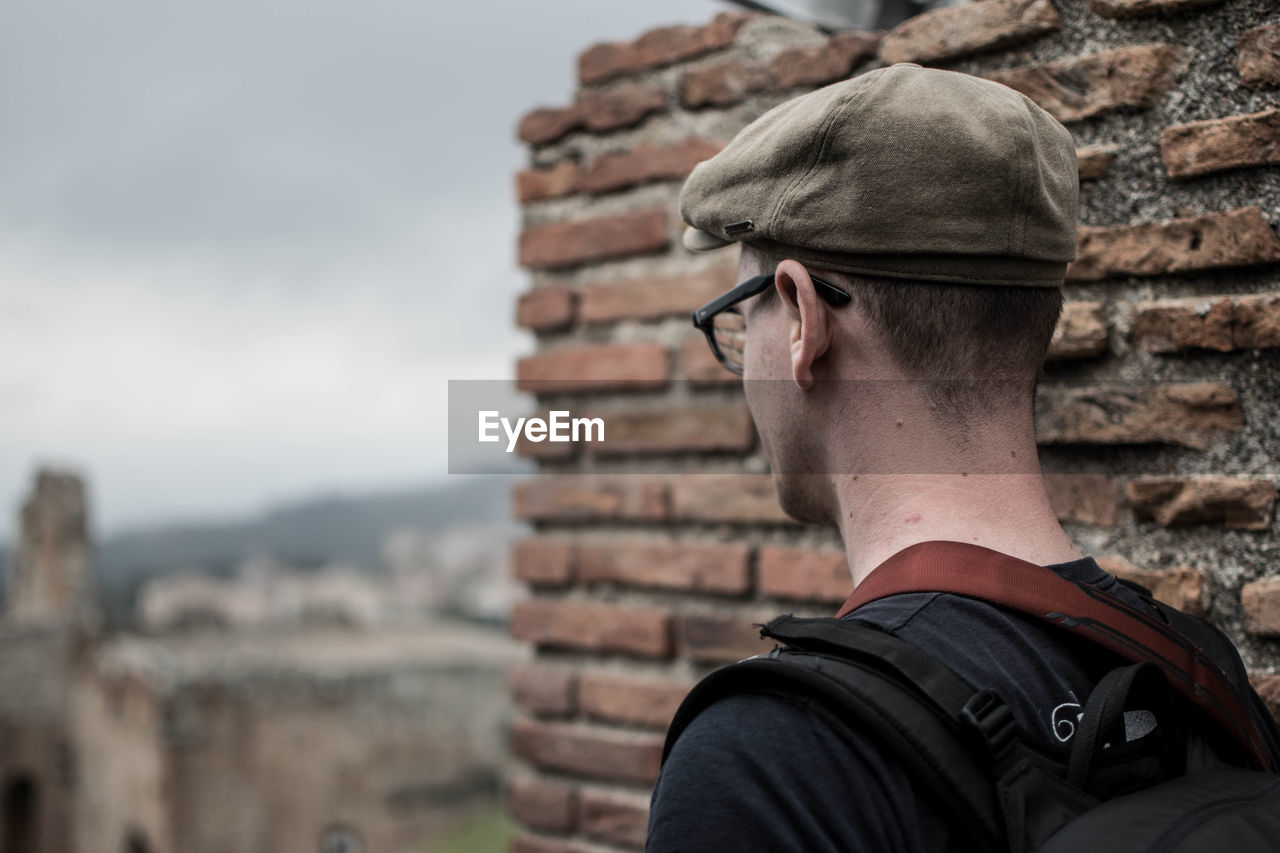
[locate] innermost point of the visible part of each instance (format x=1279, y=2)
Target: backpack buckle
x=988, y=713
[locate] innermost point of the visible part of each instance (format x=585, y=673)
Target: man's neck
x=880, y=514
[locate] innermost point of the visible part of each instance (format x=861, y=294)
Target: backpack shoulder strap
x=1218, y=646
x=976, y=572
x=892, y=694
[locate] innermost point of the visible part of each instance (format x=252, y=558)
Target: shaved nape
x=980, y=347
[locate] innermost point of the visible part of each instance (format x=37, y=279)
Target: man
x=912, y=227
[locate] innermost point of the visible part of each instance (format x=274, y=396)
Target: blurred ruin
x=335, y=708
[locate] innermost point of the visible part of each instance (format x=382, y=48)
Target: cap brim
x=697, y=240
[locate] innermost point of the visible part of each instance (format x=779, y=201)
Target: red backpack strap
x=976, y=572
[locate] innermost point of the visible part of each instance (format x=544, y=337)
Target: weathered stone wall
x=248, y=742
x=117, y=727
x=45, y=629
x=36, y=669
x=51, y=577
x=231, y=741
x=1158, y=415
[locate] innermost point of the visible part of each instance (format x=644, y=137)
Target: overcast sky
x=244, y=245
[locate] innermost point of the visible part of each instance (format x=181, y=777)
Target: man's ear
x=810, y=321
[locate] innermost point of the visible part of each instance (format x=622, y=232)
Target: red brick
x=1137, y=8
x=565, y=244
x=1258, y=55
x=1081, y=332
x=526, y=843
x=1193, y=414
x=616, y=108
x=1094, y=161
x=593, y=626
x=805, y=573
x=1238, y=502
x=1221, y=323
x=1219, y=144
x=824, y=63
x=634, y=700
x=586, y=750
x=1256, y=321
x=1261, y=600
x=542, y=562
x=543, y=804
x=582, y=498
x=724, y=84
x=730, y=81
x=700, y=568
x=1268, y=687
x=547, y=124
x=614, y=816
x=546, y=450
x=704, y=430
x=542, y=689
x=1185, y=588
x=955, y=31
x=1104, y=82
x=545, y=308
x=646, y=163
x=594, y=368
x=700, y=366
x=587, y=847
x=662, y=46
x=718, y=637
x=1235, y=238
x=650, y=298
x=1171, y=325
x=734, y=498
x=1084, y=498
x=621, y=107
x=541, y=184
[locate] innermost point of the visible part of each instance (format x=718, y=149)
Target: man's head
x=944, y=205
x=909, y=377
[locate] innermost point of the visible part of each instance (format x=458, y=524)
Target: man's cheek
x=756, y=393
x=755, y=385
x=759, y=361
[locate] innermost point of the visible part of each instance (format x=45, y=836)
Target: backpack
x=1203, y=776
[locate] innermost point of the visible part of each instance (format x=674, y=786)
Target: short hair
x=979, y=347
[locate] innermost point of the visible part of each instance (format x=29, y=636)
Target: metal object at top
x=833, y=15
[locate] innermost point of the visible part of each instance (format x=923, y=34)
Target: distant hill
x=311, y=532
x=335, y=528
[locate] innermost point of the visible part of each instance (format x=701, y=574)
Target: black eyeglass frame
x=704, y=317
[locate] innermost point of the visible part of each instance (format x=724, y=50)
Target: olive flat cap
x=904, y=172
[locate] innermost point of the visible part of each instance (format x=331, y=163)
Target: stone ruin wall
x=235, y=740
x=186, y=746
x=46, y=626
x=124, y=791
x=1158, y=414
x=51, y=578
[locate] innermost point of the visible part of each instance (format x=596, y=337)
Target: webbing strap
x=945, y=688
x=970, y=570
x=868, y=704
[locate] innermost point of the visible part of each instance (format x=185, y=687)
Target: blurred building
x=267, y=594
x=46, y=637
x=257, y=735
x=463, y=572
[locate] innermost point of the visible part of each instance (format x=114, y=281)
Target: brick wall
x=1158, y=415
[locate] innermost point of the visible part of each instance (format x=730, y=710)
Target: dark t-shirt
x=761, y=771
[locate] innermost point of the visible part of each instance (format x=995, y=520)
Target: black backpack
x=1202, y=778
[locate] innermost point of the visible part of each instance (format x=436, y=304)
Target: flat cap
x=904, y=172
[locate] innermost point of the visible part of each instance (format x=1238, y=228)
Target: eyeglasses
x=726, y=329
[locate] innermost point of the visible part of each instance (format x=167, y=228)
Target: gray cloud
x=240, y=243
